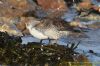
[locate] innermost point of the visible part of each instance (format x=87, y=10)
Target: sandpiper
x=51, y=29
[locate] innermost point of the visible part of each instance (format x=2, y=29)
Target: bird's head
x=32, y=23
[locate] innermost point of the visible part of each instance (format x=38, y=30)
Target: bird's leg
x=49, y=41
x=56, y=41
x=41, y=41
x=53, y=41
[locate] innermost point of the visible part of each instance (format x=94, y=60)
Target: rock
x=86, y=7
x=82, y=60
x=98, y=0
x=95, y=25
x=86, y=4
x=96, y=8
x=55, y=5
x=54, y=8
x=15, y=25
x=14, y=7
x=9, y=30
x=8, y=25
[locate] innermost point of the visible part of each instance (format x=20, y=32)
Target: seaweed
x=13, y=53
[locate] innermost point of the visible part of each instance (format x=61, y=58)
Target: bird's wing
x=62, y=25
x=67, y=26
x=43, y=25
x=59, y=24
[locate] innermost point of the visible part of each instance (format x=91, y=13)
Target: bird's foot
x=52, y=42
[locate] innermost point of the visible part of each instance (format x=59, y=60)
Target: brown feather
x=59, y=24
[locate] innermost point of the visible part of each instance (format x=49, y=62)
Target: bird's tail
x=78, y=35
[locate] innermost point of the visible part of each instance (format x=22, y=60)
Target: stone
x=82, y=60
x=8, y=25
x=10, y=8
x=86, y=4
x=54, y=8
x=96, y=8
x=52, y=4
